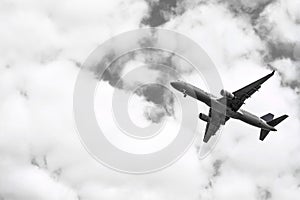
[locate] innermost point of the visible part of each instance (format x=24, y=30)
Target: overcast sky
x=43, y=43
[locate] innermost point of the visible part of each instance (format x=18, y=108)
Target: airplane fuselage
x=220, y=107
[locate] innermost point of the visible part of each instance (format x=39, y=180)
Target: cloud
x=159, y=12
x=42, y=157
x=44, y=42
x=241, y=48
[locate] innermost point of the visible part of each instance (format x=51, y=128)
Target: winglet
x=273, y=72
x=269, y=65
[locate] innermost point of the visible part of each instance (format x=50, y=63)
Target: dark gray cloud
x=159, y=12
x=276, y=48
x=24, y=93
x=279, y=50
x=41, y=162
x=217, y=167
x=110, y=74
x=263, y=194
x=162, y=98
x=252, y=9
x=294, y=83
x=153, y=60
x=154, y=93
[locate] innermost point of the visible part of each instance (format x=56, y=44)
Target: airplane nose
x=173, y=84
x=178, y=85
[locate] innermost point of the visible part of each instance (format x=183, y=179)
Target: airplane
x=228, y=106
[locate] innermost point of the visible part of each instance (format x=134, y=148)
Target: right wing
x=244, y=93
x=213, y=125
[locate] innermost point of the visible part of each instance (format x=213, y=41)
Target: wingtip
x=270, y=66
x=273, y=72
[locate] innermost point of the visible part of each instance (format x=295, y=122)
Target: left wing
x=244, y=93
x=213, y=125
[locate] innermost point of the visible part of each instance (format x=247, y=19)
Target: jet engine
x=226, y=94
x=204, y=117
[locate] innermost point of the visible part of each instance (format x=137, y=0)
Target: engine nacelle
x=204, y=117
x=226, y=94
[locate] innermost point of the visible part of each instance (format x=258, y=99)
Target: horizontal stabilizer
x=268, y=117
x=276, y=121
x=263, y=134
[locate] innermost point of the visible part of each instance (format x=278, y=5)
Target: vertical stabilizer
x=267, y=117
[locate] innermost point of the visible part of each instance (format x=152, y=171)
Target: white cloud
x=247, y=163
x=224, y=37
x=41, y=154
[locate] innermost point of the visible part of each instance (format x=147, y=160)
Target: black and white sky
x=43, y=44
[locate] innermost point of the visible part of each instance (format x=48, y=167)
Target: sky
x=44, y=43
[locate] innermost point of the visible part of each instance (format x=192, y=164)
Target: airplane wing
x=244, y=93
x=213, y=125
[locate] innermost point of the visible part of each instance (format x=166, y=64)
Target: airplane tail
x=272, y=122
